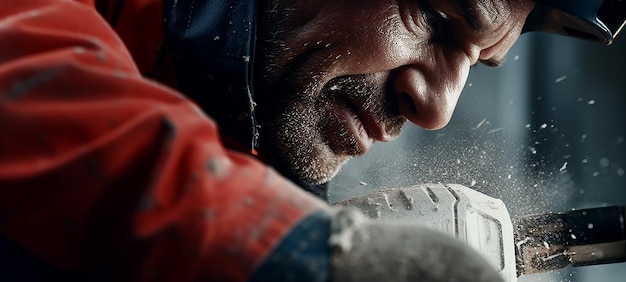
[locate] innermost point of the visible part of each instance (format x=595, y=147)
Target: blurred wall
x=544, y=132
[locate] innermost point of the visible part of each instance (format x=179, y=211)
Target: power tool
x=530, y=244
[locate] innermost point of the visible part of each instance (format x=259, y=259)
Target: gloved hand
x=371, y=250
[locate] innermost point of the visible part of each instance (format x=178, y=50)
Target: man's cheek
x=384, y=54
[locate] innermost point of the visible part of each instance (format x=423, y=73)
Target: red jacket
x=106, y=173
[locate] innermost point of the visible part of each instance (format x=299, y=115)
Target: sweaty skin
x=334, y=76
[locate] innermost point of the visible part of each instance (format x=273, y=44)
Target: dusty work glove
x=369, y=250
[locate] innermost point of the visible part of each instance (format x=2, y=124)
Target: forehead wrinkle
x=495, y=11
x=481, y=14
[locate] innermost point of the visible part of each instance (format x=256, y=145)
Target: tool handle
x=475, y=218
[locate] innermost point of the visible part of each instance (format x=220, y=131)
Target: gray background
x=544, y=132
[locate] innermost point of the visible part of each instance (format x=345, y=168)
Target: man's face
x=334, y=76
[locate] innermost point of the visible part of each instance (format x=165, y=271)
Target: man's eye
x=434, y=19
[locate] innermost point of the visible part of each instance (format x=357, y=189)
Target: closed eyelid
x=429, y=11
x=468, y=11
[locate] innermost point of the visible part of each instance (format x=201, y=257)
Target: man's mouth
x=359, y=113
x=358, y=125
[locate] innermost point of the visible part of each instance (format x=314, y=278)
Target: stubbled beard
x=293, y=111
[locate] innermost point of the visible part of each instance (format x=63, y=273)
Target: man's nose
x=427, y=99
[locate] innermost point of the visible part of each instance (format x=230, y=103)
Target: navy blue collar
x=212, y=42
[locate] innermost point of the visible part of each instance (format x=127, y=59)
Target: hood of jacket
x=212, y=42
x=213, y=45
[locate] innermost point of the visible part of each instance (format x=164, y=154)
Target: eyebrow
x=493, y=62
x=467, y=8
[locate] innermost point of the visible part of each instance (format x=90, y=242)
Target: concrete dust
x=522, y=177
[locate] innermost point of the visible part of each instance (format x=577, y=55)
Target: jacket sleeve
x=107, y=174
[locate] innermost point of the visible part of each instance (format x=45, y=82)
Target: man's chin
x=314, y=169
x=318, y=177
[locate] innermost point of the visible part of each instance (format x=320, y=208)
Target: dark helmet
x=595, y=20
